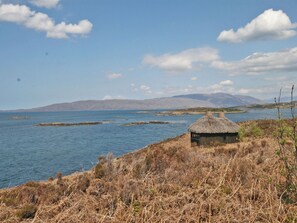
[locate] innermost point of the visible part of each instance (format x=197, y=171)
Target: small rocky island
x=17, y=117
x=146, y=123
x=61, y=124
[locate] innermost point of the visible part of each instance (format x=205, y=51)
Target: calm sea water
x=28, y=152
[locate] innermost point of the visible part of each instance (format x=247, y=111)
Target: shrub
x=104, y=166
x=136, y=205
x=242, y=133
x=260, y=160
x=263, y=143
x=226, y=189
x=137, y=171
x=256, y=131
x=28, y=211
x=59, y=178
x=10, y=201
x=83, y=183
x=100, y=170
x=130, y=192
x=148, y=162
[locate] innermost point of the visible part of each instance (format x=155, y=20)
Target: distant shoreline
x=200, y=111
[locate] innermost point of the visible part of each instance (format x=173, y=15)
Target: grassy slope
x=165, y=182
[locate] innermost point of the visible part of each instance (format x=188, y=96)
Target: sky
x=54, y=51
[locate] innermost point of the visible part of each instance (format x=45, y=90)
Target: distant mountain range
x=223, y=99
x=175, y=102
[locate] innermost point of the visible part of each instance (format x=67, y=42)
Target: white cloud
x=223, y=86
x=258, y=63
x=144, y=88
x=107, y=97
x=45, y=3
x=15, y=13
x=271, y=24
x=264, y=90
x=23, y=15
x=226, y=83
x=244, y=90
x=113, y=76
x=184, y=61
x=194, y=78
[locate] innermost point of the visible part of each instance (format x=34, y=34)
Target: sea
x=30, y=153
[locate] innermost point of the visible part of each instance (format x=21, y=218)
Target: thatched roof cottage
x=211, y=130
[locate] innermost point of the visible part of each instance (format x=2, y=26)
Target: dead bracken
x=170, y=181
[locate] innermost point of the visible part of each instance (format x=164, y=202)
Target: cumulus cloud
x=194, y=78
x=23, y=15
x=183, y=61
x=271, y=24
x=45, y=3
x=223, y=86
x=113, y=76
x=226, y=83
x=258, y=63
x=144, y=87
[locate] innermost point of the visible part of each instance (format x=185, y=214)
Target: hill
x=168, y=181
x=176, y=102
x=124, y=104
x=223, y=99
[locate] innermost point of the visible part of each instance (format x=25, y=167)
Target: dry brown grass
x=165, y=182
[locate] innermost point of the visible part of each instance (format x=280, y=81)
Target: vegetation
x=166, y=182
x=196, y=111
x=28, y=211
x=287, y=150
x=251, y=131
x=281, y=105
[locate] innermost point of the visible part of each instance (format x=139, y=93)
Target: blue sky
x=67, y=50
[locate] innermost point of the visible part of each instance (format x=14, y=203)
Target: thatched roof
x=211, y=124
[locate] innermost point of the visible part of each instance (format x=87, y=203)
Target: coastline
x=176, y=113
x=200, y=111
